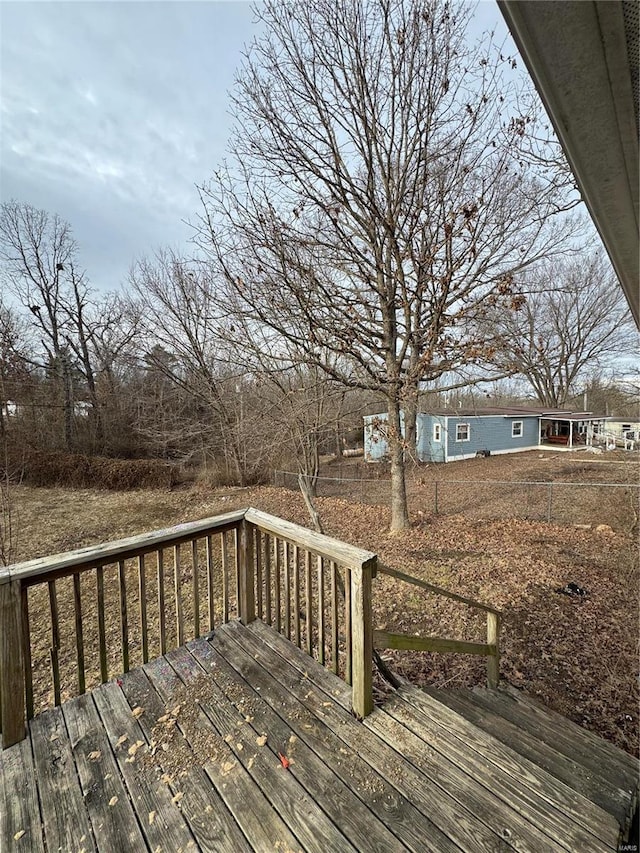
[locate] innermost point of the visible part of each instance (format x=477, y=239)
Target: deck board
x=183, y=754
x=314, y=763
x=108, y=806
x=65, y=821
x=210, y=821
x=259, y=822
x=19, y=810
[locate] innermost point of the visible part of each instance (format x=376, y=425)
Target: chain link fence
x=614, y=504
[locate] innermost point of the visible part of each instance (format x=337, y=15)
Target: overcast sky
x=113, y=111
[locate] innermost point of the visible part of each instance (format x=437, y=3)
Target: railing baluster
x=162, y=619
x=287, y=592
x=55, y=641
x=196, y=588
x=236, y=542
x=267, y=578
x=210, y=586
x=296, y=596
x=308, y=601
x=276, y=581
x=360, y=639
x=258, y=553
x=26, y=653
x=142, y=596
x=124, y=622
x=224, y=556
x=320, y=565
x=77, y=610
x=177, y=589
x=102, y=641
x=334, y=617
x=347, y=627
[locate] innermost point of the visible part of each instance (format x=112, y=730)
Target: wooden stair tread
x=596, y=782
x=603, y=758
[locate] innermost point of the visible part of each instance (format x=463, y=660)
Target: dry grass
x=579, y=656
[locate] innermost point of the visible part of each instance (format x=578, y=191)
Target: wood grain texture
x=386, y=640
x=26, y=646
x=65, y=822
x=177, y=594
x=12, y=692
x=142, y=607
x=195, y=588
x=77, y=613
x=105, y=798
x=238, y=675
x=102, y=636
x=316, y=543
x=289, y=799
x=162, y=618
x=124, y=617
x=246, y=595
x=210, y=821
x=168, y=830
x=19, y=806
x=361, y=639
x=59, y=565
x=493, y=639
x=55, y=640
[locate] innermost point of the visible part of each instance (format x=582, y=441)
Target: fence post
x=436, y=499
x=549, y=502
x=493, y=639
x=362, y=638
x=12, y=692
x=247, y=602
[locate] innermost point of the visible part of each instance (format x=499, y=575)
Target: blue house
x=454, y=434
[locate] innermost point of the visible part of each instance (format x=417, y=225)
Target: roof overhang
x=583, y=58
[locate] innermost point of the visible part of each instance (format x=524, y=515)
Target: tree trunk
x=410, y=409
x=399, y=509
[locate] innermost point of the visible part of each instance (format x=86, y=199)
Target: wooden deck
x=187, y=753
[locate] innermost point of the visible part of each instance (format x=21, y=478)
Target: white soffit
x=583, y=58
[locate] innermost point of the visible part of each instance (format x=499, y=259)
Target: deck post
x=247, y=602
x=362, y=638
x=493, y=639
x=12, y=681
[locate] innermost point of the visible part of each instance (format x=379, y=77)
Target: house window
x=437, y=432
x=626, y=427
x=516, y=429
x=462, y=432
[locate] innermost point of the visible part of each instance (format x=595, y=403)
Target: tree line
x=393, y=216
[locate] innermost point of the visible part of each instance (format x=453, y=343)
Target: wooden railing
x=73, y=620
x=490, y=649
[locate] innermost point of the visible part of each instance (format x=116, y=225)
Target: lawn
x=577, y=654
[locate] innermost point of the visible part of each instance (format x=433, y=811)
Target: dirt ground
x=578, y=654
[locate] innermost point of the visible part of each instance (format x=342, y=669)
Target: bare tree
x=573, y=321
x=375, y=200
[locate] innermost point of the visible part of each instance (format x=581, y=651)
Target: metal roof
x=583, y=58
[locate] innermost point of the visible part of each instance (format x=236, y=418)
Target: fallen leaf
x=113, y=801
x=137, y=712
x=122, y=739
x=177, y=797
x=18, y=835
x=152, y=817
x=95, y=755
x=261, y=740
x=283, y=760
x=135, y=747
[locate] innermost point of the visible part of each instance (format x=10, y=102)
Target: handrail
x=438, y=590
x=120, y=549
x=244, y=571
x=490, y=649
x=317, y=543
